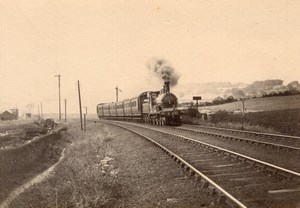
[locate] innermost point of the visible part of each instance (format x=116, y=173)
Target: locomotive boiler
x=155, y=107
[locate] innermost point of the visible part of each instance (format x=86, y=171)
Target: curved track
x=284, y=142
x=238, y=179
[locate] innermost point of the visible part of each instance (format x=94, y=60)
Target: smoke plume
x=161, y=68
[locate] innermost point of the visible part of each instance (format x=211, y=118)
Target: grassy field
x=15, y=125
x=16, y=132
x=20, y=164
x=271, y=114
x=260, y=104
x=277, y=121
x=108, y=167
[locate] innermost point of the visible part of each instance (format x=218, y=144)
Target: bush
x=285, y=93
x=192, y=112
x=34, y=130
x=280, y=121
x=220, y=116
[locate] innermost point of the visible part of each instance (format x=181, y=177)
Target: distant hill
x=210, y=91
x=294, y=85
x=207, y=91
x=259, y=88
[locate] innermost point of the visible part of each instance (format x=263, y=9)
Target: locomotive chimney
x=163, y=89
x=167, y=86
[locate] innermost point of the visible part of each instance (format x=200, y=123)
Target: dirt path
x=37, y=179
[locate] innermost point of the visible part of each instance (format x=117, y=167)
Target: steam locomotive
x=154, y=107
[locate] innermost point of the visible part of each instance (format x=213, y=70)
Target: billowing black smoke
x=163, y=70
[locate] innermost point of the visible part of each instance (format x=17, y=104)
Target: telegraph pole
x=117, y=93
x=80, y=105
x=39, y=110
x=42, y=110
x=243, y=107
x=59, y=94
x=65, y=110
x=84, y=118
x=243, y=111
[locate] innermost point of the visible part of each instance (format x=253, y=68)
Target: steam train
x=154, y=107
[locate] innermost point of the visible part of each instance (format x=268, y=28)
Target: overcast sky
x=105, y=43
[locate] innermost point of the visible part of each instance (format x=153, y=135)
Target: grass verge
x=279, y=121
x=109, y=167
x=76, y=182
x=20, y=164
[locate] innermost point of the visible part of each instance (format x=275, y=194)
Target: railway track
x=280, y=142
x=270, y=152
x=239, y=180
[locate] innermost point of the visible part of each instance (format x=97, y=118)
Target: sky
x=107, y=43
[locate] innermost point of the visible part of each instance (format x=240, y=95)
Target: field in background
x=260, y=104
x=279, y=121
x=14, y=125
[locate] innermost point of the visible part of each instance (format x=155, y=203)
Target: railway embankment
x=109, y=167
x=20, y=164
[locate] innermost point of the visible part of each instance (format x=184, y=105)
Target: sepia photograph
x=149, y=104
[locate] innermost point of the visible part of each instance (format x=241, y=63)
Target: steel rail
x=289, y=174
x=249, y=132
x=297, y=149
x=189, y=167
x=245, y=158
